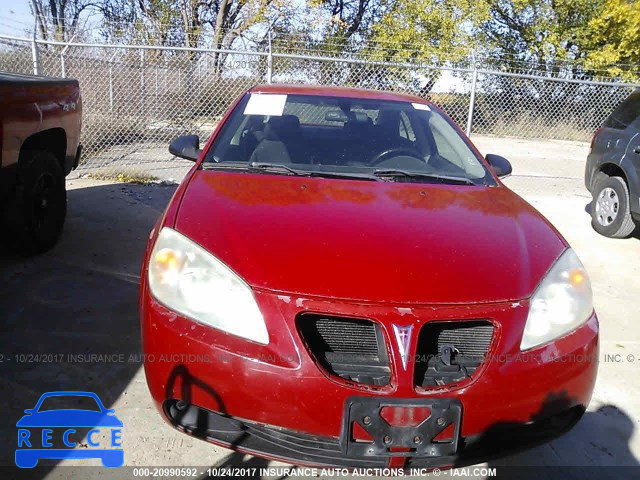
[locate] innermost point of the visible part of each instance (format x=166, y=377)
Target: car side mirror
x=186, y=146
x=29, y=411
x=500, y=165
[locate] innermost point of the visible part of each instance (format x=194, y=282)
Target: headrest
x=359, y=117
x=388, y=119
x=359, y=123
x=281, y=128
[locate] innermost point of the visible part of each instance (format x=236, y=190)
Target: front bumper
x=306, y=449
x=275, y=401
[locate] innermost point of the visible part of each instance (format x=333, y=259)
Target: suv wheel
x=610, y=214
x=36, y=214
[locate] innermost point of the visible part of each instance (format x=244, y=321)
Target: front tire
x=610, y=213
x=35, y=215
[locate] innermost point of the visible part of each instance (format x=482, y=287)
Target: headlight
x=561, y=303
x=186, y=278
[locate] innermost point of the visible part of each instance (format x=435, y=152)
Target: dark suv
x=612, y=172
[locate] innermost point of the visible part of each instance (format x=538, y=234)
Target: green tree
x=612, y=39
x=539, y=34
x=425, y=31
x=348, y=17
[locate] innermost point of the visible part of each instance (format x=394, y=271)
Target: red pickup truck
x=40, y=119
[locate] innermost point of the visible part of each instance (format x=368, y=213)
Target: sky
x=15, y=17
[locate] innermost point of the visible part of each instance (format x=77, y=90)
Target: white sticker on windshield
x=421, y=106
x=265, y=104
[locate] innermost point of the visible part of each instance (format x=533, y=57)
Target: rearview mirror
x=335, y=116
x=500, y=165
x=186, y=146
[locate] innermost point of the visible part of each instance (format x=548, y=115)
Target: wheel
x=610, y=214
x=35, y=215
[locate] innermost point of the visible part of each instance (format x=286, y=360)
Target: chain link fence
x=137, y=98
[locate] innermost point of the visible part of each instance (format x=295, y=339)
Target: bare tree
x=58, y=19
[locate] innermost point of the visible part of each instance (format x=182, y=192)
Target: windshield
x=345, y=137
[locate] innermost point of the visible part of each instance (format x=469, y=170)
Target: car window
x=452, y=147
x=313, y=114
x=626, y=113
x=340, y=134
x=406, y=130
x=66, y=402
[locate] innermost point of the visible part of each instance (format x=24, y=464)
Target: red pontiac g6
x=342, y=280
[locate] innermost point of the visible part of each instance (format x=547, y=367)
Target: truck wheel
x=610, y=214
x=36, y=214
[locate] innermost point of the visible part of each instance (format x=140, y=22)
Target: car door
x=632, y=157
x=629, y=114
x=633, y=148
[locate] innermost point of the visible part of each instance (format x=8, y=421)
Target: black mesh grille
x=470, y=340
x=449, y=352
x=351, y=348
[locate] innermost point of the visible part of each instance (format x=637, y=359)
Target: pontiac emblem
x=403, y=338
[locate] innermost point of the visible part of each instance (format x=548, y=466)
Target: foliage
x=425, y=30
x=572, y=38
x=537, y=32
x=568, y=38
x=613, y=38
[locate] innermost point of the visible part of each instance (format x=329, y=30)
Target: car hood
x=370, y=241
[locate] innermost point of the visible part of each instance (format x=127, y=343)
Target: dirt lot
x=81, y=299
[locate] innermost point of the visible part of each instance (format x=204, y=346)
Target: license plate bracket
x=401, y=441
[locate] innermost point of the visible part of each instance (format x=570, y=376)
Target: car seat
x=281, y=142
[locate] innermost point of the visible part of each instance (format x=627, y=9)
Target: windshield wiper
x=254, y=166
x=278, y=167
x=275, y=167
x=394, y=173
x=286, y=170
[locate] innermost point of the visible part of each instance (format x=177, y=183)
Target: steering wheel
x=396, y=152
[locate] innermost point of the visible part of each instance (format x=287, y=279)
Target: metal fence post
x=142, y=69
x=472, y=99
x=111, y=82
x=166, y=74
x=35, y=54
x=63, y=63
x=269, y=61
x=143, y=86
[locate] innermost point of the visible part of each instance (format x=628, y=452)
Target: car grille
x=450, y=352
x=350, y=348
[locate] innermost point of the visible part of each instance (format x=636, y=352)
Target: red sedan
x=342, y=280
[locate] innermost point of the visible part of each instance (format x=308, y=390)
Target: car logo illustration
x=403, y=338
x=42, y=426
